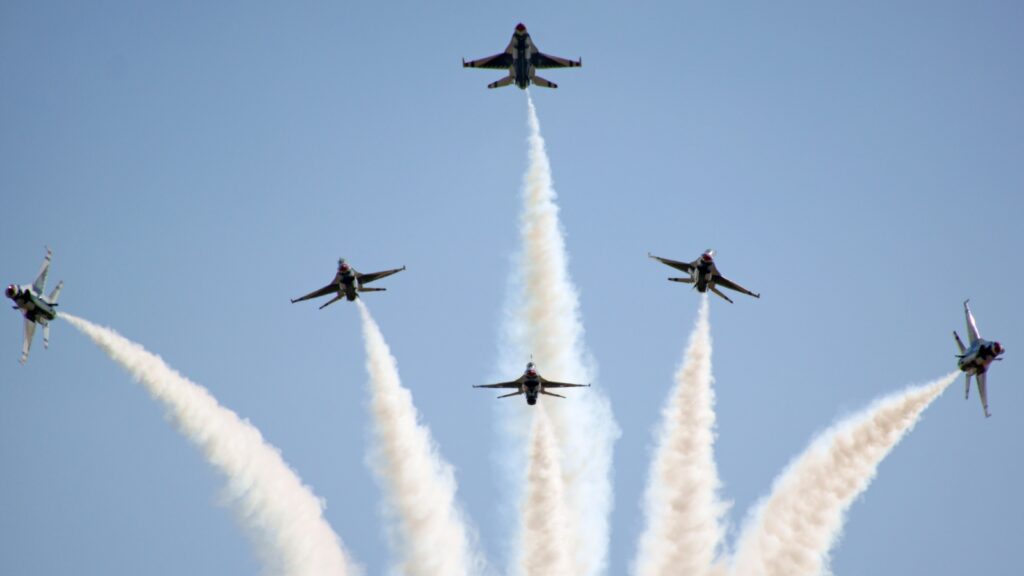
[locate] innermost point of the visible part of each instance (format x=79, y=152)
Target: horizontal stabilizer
x=56, y=293
x=372, y=289
x=503, y=82
x=512, y=394
x=332, y=301
x=683, y=280
x=551, y=393
x=716, y=291
x=543, y=83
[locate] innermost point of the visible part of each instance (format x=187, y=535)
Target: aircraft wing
x=542, y=60
x=367, y=278
x=40, y=284
x=981, y=379
x=501, y=61
x=972, y=327
x=726, y=283
x=684, y=266
x=30, y=330
x=329, y=289
x=512, y=384
x=550, y=384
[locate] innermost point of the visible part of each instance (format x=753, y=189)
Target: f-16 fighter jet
x=531, y=384
x=35, y=307
x=522, y=60
x=348, y=283
x=704, y=275
x=975, y=359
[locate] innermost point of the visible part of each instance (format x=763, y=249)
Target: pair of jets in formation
x=40, y=309
x=348, y=283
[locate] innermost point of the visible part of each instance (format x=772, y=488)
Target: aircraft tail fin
x=959, y=343
x=56, y=293
x=967, y=386
x=543, y=83
x=503, y=82
x=46, y=336
x=716, y=291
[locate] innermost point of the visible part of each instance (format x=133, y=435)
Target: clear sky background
x=194, y=165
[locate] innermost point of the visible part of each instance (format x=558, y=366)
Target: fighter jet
x=35, y=307
x=975, y=359
x=704, y=275
x=348, y=283
x=531, y=384
x=522, y=60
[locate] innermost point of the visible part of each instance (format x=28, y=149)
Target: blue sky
x=195, y=166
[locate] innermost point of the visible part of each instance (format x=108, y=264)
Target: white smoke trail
x=544, y=320
x=420, y=485
x=280, y=513
x=683, y=510
x=544, y=512
x=793, y=530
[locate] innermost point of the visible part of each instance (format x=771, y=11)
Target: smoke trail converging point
x=793, y=530
x=544, y=320
x=419, y=484
x=683, y=511
x=280, y=513
x=544, y=510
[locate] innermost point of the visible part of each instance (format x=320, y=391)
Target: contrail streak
x=793, y=530
x=420, y=486
x=683, y=512
x=281, y=514
x=544, y=511
x=544, y=320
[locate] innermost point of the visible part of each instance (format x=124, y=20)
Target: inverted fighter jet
x=348, y=283
x=531, y=384
x=35, y=307
x=975, y=358
x=704, y=275
x=522, y=60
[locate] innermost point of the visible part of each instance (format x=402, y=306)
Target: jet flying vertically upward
x=531, y=383
x=704, y=275
x=348, y=283
x=976, y=357
x=522, y=59
x=34, y=306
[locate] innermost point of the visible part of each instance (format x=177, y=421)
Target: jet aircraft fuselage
x=704, y=275
x=522, y=59
x=33, y=307
x=531, y=384
x=975, y=358
x=348, y=283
